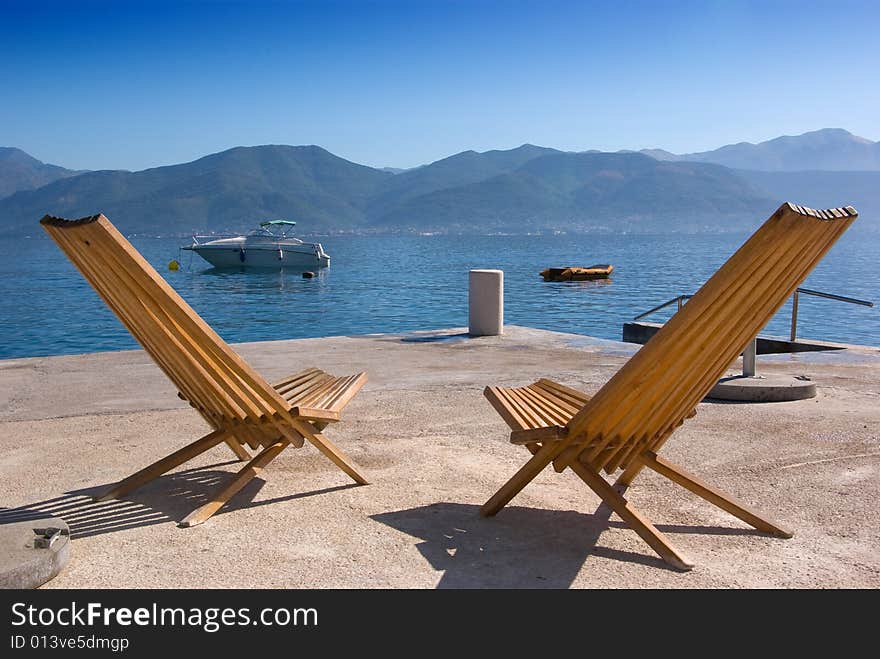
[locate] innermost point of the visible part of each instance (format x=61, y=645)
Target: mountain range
x=829, y=149
x=20, y=171
x=529, y=188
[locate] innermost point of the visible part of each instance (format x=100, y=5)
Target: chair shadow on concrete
x=168, y=498
x=521, y=547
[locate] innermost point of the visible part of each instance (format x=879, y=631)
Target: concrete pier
x=434, y=451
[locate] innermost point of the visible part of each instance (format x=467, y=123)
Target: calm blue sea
x=402, y=283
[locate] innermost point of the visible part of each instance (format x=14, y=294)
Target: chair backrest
x=662, y=383
x=207, y=372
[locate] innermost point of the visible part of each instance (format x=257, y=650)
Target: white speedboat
x=270, y=246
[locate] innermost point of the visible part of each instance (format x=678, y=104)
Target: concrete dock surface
x=434, y=451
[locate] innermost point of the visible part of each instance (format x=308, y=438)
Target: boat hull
x=225, y=257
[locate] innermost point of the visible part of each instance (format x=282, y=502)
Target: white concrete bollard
x=486, y=303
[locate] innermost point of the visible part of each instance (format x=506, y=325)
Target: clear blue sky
x=103, y=85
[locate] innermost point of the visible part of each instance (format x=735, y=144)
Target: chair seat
x=538, y=412
x=316, y=395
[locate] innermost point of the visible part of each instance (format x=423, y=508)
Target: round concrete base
x=23, y=564
x=763, y=388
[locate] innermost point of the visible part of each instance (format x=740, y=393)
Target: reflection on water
x=407, y=283
x=251, y=280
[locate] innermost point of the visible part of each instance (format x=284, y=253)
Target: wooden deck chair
x=238, y=404
x=624, y=425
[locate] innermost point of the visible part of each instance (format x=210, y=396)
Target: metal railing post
x=750, y=358
x=794, y=310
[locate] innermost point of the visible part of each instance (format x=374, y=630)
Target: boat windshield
x=274, y=229
x=271, y=230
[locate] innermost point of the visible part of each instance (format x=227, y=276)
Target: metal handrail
x=681, y=299
x=832, y=296
x=829, y=296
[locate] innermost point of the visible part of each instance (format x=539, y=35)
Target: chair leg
x=167, y=463
x=724, y=501
x=329, y=449
x=633, y=518
x=238, y=449
x=242, y=478
x=626, y=478
x=636, y=465
x=233, y=442
x=541, y=457
x=338, y=458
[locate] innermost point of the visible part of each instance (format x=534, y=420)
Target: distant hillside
x=20, y=171
x=830, y=149
x=460, y=169
x=824, y=190
x=660, y=154
x=230, y=190
x=576, y=191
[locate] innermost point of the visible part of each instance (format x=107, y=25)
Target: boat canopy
x=275, y=223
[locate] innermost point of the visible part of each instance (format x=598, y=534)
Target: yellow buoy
x=174, y=265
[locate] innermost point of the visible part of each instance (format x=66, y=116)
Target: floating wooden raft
x=599, y=271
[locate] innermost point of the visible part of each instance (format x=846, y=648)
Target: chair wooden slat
x=536, y=405
x=353, y=384
x=577, y=398
x=528, y=421
x=297, y=391
x=497, y=397
x=280, y=385
x=563, y=406
x=560, y=410
x=294, y=385
x=542, y=434
x=314, y=395
x=339, y=385
x=532, y=416
x=316, y=413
